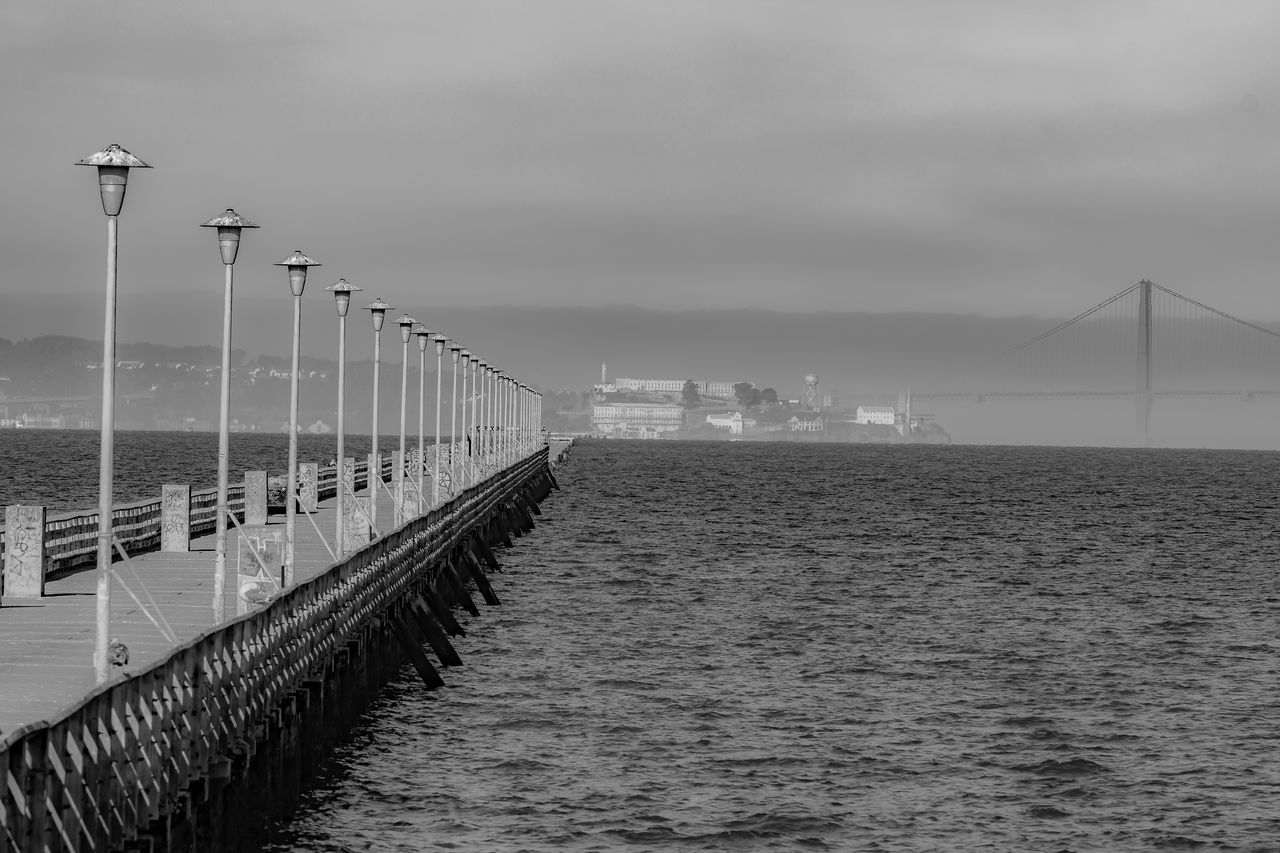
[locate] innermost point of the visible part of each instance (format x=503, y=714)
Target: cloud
x=986, y=156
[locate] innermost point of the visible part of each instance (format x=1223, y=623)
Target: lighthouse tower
x=604, y=373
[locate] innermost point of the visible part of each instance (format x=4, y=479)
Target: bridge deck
x=46, y=645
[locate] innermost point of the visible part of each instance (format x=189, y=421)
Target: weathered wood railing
x=133, y=751
x=71, y=538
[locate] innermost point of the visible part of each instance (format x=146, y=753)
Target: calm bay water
x=776, y=647
x=715, y=646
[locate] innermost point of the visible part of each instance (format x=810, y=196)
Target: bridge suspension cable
x=1147, y=340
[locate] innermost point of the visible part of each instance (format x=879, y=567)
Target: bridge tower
x=812, y=401
x=1142, y=395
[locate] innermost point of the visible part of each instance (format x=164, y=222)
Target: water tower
x=812, y=400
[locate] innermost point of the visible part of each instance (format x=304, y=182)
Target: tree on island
x=692, y=399
x=746, y=394
x=769, y=396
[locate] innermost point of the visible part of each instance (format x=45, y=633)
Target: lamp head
x=456, y=349
x=466, y=358
x=342, y=295
x=441, y=340
x=297, y=264
x=378, y=311
x=406, y=324
x=422, y=333
x=113, y=164
x=229, y=226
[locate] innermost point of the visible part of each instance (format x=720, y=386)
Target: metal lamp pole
x=229, y=226
x=342, y=299
x=422, y=334
x=406, y=324
x=465, y=461
x=435, y=480
x=378, y=311
x=453, y=422
x=489, y=416
x=503, y=417
x=113, y=163
x=475, y=422
x=297, y=264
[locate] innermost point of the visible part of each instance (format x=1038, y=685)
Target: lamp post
x=406, y=324
x=297, y=264
x=475, y=422
x=423, y=335
x=342, y=299
x=435, y=479
x=488, y=419
x=113, y=164
x=502, y=419
x=466, y=436
x=378, y=312
x=229, y=226
x=453, y=422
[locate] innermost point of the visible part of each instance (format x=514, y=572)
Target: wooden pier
x=149, y=760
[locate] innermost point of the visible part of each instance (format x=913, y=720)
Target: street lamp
x=423, y=335
x=435, y=480
x=378, y=312
x=456, y=349
x=113, y=164
x=466, y=436
x=406, y=324
x=297, y=264
x=229, y=226
x=491, y=411
x=475, y=420
x=342, y=298
x=502, y=419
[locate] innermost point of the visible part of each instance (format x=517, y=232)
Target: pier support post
x=175, y=518
x=255, y=497
x=435, y=634
x=472, y=565
x=409, y=645
x=309, y=488
x=24, y=559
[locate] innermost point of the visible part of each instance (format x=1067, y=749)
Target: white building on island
x=674, y=386
x=637, y=420
x=885, y=415
x=734, y=422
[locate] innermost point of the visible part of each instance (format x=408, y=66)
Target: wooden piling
x=436, y=637
x=472, y=565
x=409, y=645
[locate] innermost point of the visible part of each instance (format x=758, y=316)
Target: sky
x=990, y=158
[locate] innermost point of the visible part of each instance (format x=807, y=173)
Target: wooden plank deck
x=46, y=644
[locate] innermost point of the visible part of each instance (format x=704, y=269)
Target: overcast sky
x=998, y=158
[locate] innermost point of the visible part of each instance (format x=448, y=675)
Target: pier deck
x=46, y=644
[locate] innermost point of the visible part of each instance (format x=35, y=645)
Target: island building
x=886, y=415
x=674, y=386
x=637, y=420
x=734, y=422
x=806, y=422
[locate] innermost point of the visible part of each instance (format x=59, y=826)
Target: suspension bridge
x=1145, y=342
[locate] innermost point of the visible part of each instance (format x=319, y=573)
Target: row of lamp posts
x=504, y=413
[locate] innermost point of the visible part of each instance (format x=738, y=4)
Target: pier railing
x=132, y=750
x=71, y=538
